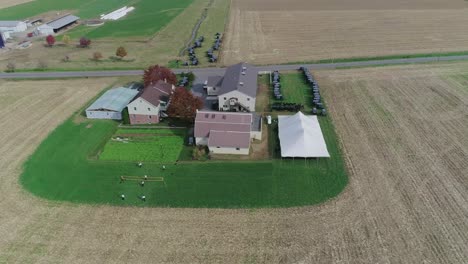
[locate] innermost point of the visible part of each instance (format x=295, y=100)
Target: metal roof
x=114, y=100
x=241, y=77
x=62, y=21
x=205, y=121
x=9, y=23
x=229, y=139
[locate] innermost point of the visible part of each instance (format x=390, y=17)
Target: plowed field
x=404, y=133
x=277, y=31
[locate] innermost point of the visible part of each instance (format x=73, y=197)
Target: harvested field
x=319, y=29
x=406, y=202
x=8, y=3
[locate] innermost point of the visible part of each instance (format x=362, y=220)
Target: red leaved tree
x=50, y=40
x=85, y=42
x=155, y=73
x=184, y=104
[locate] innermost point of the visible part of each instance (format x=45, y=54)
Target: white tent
x=301, y=136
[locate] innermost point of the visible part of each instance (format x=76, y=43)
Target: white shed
x=111, y=104
x=13, y=26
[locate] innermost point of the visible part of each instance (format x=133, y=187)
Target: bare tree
x=97, y=56
x=42, y=64
x=11, y=67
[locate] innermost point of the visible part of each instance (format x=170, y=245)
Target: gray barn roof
x=113, y=100
x=9, y=23
x=241, y=77
x=62, y=21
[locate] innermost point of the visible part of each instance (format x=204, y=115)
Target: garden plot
x=159, y=145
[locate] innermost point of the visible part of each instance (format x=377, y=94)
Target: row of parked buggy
x=281, y=106
x=216, y=46
x=318, y=108
x=277, y=86
x=193, y=59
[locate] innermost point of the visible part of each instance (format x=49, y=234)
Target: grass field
x=147, y=18
x=194, y=184
x=295, y=90
x=159, y=145
x=161, y=47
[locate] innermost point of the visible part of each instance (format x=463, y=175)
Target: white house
x=236, y=90
x=13, y=26
x=150, y=105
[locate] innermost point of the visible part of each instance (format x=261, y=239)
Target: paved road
x=220, y=71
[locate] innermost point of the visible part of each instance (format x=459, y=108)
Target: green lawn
x=295, y=90
x=147, y=19
x=161, y=145
x=61, y=169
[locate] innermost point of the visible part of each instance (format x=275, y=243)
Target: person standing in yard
x=140, y=164
x=122, y=196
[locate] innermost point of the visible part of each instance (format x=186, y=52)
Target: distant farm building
x=111, y=104
x=13, y=26
x=2, y=41
x=301, y=136
x=57, y=25
x=227, y=132
x=151, y=104
x=236, y=90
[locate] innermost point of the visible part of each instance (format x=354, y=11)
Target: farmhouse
x=151, y=104
x=56, y=25
x=227, y=133
x=111, y=104
x=301, y=136
x=13, y=26
x=236, y=90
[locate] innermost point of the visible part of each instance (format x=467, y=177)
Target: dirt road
x=8, y=3
x=404, y=131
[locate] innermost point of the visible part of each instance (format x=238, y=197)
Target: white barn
x=13, y=26
x=111, y=104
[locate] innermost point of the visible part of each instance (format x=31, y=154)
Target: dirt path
x=8, y=3
x=404, y=134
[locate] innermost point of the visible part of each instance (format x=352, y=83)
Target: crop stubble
x=404, y=135
x=263, y=33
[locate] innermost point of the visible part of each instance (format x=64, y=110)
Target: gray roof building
x=113, y=100
x=241, y=77
x=62, y=21
x=10, y=23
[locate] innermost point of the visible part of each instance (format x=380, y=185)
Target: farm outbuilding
x=301, y=136
x=13, y=26
x=111, y=104
x=56, y=25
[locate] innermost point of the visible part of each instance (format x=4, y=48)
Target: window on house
x=225, y=98
x=149, y=109
x=150, y=117
x=218, y=147
x=214, y=88
x=248, y=99
x=134, y=108
x=237, y=148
